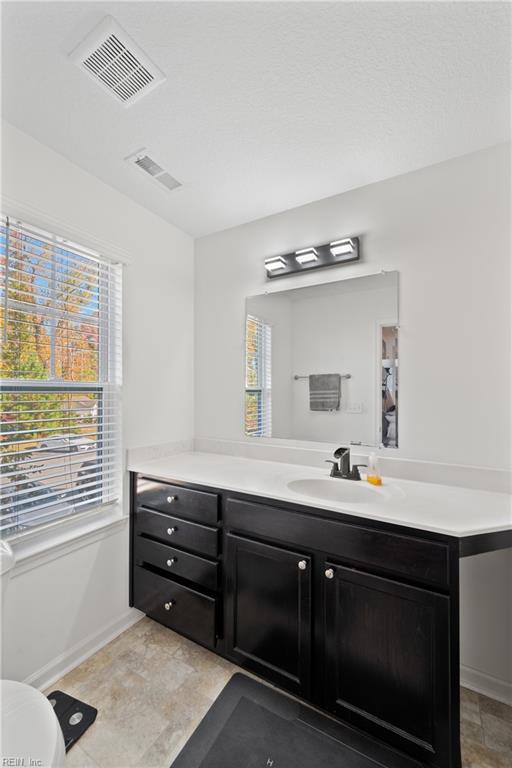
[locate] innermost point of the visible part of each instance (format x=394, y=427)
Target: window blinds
x=60, y=362
x=258, y=377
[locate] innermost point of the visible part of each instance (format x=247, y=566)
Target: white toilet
x=30, y=732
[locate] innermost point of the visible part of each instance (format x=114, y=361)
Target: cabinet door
x=268, y=611
x=387, y=660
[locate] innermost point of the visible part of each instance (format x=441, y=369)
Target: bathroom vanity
x=351, y=604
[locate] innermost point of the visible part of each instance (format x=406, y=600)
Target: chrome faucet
x=341, y=468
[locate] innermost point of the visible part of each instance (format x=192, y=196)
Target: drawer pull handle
x=303, y=565
x=170, y=531
x=170, y=499
x=171, y=562
x=329, y=574
x=169, y=605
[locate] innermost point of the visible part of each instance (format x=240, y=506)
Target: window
x=60, y=364
x=258, y=379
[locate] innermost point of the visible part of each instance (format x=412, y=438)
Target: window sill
x=54, y=542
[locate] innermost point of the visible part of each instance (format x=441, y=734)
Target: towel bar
x=343, y=376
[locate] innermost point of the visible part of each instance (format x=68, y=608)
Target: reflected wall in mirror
x=322, y=362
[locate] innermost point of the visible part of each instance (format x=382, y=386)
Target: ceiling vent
x=145, y=162
x=112, y=59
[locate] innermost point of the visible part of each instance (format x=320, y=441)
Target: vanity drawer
x=178, y=532
x=411, y=557
x=176, y=562
x=178, y=607
x=182, y=502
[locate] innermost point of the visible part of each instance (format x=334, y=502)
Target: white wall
x=83, y=595
x=446, y=229
x=486, y=623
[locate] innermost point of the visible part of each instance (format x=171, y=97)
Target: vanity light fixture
x=275, y=264
x=336, y=253
x=342, y=247
x=306, y=255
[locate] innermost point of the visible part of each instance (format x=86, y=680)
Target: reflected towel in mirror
x=324, y=392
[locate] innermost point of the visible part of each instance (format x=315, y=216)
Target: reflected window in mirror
x=258, y=377
x=390, y=386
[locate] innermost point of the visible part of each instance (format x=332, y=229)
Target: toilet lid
x=31, y=733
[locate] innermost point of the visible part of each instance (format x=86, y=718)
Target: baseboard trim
x=65, y=662
x=486, y=684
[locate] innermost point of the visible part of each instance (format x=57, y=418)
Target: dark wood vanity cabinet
x=269, y=619
x=356, y=616
x=387, y=659
x=175, y=549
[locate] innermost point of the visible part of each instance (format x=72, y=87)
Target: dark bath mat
x=253, y=736
x=73, y=715
x=253, y=726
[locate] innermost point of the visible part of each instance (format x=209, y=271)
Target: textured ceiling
x=266, y=106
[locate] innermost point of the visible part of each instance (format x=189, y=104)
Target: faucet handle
x=334, y=467
x=354, y=472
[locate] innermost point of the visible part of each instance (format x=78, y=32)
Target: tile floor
x=152, y=687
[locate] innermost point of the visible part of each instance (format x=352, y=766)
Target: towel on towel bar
x=324, y=392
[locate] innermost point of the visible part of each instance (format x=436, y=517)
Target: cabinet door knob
x=170, y=499
x=303, y=565
x=171, y=562
x=170, y=531
x=329, y=574
x=169, y=605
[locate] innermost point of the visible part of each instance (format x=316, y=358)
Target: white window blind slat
x=91, y=468
x=60, y=326
x=22, y=264
x=69, y=465
x=41, y=454
x=59, y=491
x=102, y=454
x=49, y=513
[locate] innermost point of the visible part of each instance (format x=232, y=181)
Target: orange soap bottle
x=373, y=474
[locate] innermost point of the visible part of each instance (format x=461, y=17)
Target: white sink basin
x=335, y=489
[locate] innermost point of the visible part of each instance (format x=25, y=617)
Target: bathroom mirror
x=321, y=362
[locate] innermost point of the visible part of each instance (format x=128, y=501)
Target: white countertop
x=439, y=508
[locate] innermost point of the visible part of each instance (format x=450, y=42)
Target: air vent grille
x=145, y=162
x=115, y=62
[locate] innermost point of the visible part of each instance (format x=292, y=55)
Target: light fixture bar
x=338, y=252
